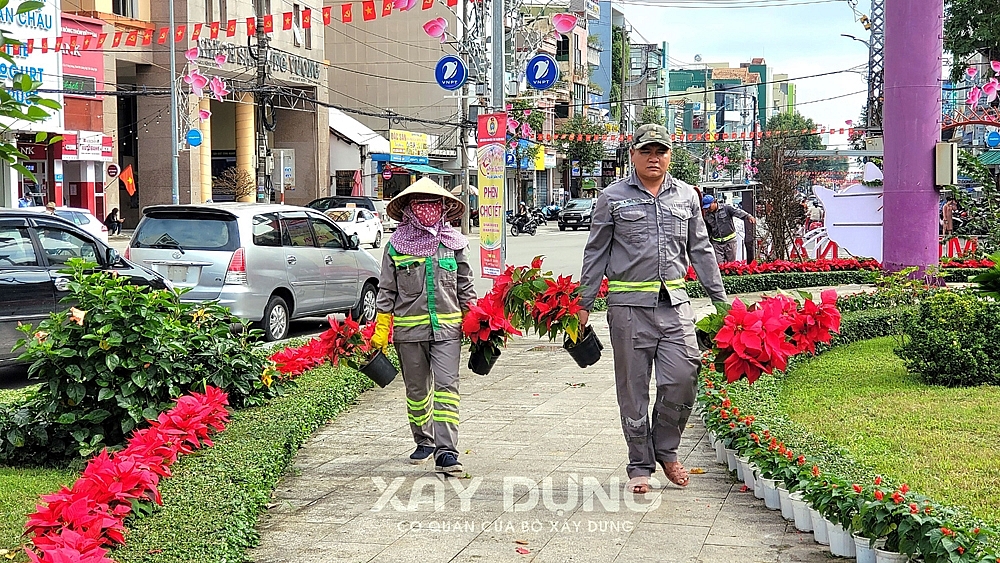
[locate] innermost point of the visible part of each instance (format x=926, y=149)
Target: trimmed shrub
x=952, y=340
x=791, y=280
x=119, y=356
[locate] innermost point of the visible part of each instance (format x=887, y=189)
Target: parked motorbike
x=538, y=216
x=523, y=224
x=551, y=212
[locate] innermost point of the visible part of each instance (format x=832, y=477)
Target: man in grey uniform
x=721, y=231
x=645, y=230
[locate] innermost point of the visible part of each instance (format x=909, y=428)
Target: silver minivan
x=267, y=263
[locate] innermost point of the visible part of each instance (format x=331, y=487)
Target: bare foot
x=638, y=485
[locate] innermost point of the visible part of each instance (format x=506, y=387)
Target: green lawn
x=19, y=490
x=943, y=442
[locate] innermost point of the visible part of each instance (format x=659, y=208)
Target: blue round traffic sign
x=193, y=137
x=451, y=72
x=542, y=72
x=993, y=139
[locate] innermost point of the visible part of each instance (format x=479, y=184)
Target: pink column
x=912, y=126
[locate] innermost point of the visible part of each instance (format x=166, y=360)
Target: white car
x=83, y=218
x=388, y=223
x=358, y=221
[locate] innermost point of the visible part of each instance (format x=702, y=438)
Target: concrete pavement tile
x=663, y=542
x=366, y=528
x=426, y=546
x=321, y=552
x=728, y=554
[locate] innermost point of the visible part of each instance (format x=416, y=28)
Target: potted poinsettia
x=487, y=326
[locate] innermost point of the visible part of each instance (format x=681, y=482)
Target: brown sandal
x=638, y=485
x=675, y=472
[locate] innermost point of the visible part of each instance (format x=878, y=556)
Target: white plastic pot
x=803, y=521
x=819, y=527
x=749, y=477
x=771, y=498
x=731, y=459
x=785, y=502
x=741, y=465
x=890, y=557
x=720, y=452
x=863, y=550
x=758, y=487
x=841, y=541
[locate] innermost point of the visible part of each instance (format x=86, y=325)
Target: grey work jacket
x=426, y=296
x=642, y=243
x=720, y=222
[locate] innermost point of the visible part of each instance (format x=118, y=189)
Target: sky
x=795, y=40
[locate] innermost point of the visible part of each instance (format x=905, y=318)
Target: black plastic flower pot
x=482, y=358
x=587, y=351
x=379, y=369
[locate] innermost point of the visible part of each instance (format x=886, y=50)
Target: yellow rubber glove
x=380, y=338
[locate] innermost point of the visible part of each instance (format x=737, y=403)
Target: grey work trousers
x=641, y=338
x=432, y=366
x=725, y=251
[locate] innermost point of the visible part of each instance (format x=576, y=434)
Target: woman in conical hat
x=425, y=289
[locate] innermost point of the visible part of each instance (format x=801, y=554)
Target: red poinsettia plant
x=752, y=340
x=344, y=342
x=556, y=309
x=486, y=324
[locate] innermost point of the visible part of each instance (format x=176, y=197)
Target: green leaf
x=40, y=136
x=30, y=5
x=105, y=393
x=112, y=361
x=75, y=392
x=150, y=413
x=66, y=418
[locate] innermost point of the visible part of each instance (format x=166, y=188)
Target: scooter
x=523, y=224
x=538, y=216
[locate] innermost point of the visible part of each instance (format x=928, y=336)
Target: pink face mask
x=428, y=212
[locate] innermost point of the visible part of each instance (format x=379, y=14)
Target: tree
x=619, y=57
x=579, y=149
x=523, y=123
x=651, y=114
x=777, y=192
x=20, y=100
x=971, y=27
x=787, y=129
x=236, y=182
x=684, y=167
x=983, y=215
x=727, y=157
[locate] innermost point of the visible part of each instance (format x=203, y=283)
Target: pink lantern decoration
x=436, y=28
x=564, y=23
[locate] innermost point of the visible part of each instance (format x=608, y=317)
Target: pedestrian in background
x=947, y=216
x=721, y=231
x=424, y=291
x=646, y=229
x=113, y=222
x=50, y=208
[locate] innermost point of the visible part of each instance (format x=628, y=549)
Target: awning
x=990, y=158
x=424, y=169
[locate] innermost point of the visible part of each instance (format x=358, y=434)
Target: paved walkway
x=541, y=442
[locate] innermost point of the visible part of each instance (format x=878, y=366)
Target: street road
x=563, y=253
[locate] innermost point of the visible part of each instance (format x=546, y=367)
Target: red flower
x=914, y=508
x=486, y=321
x=732, y=425
x=878, y=479
x=815, y=471
x=947, y=531
x=857, y=488
x=896, y=497
x=904, y=489
x=603, y=291
x=961, y=550
x=755, y=437
x=801, y=460
x=879, y=495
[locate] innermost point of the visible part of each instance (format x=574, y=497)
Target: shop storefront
x=408, y=160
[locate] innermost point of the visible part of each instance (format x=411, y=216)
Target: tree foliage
x=651, y=114
x=588, y=153
x=619, y=55
x=983, y=215
x=727, y=157
x=777, y=192
x=684, y=167
x=19, y=99
x=786, y=129
x=971, y=27
x=236, y=182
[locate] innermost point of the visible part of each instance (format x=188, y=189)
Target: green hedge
x=753, y=283
x=954, y=275
x=212, y=501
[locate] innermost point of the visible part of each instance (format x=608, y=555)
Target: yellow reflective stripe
x=445, y=400
x=727, y=238
x=450, y=318
x=418, y=405
x=413, y=320
x=445, y=416
x=623, y=286
x=406, y=260
x=446, y=395
x=419, y=420
x=675, y=284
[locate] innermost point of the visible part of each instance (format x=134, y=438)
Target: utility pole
x=260, y=106
x=174, y=121
x=497, y=99
x=463, y=135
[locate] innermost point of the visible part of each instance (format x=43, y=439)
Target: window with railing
x=125, y=8
x=562, y=49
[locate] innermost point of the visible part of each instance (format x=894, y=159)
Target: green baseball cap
x=649, y=134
